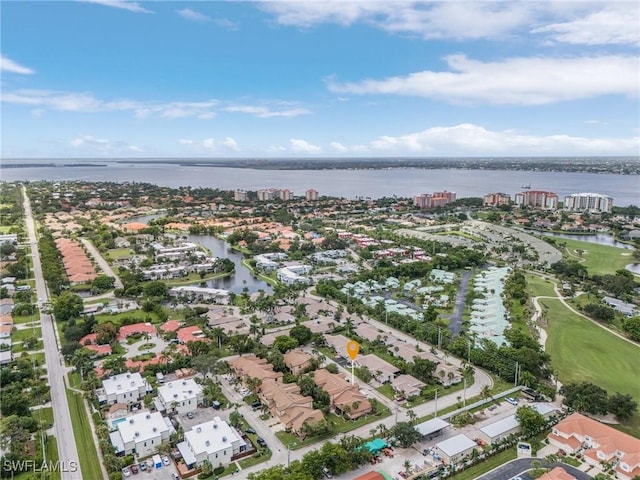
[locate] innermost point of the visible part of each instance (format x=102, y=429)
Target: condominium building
x=311, y=195
x=285, y=194
x=435, y=199
x=180, y=396
x=495, y=199
x=588, y=202
x=240, y=196
x=215, y=441
x=141, y=434
x=537, y=199
x=125, y=388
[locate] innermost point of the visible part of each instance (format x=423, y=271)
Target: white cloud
x=338, y=147
x=264, y=112
x=617, y=23
x=101, y=146
x=122, y=4
x=192, y=15
x=302, y=146
x=8, y=65
x=470, y=139
x=231, y=144
x=86, y=102
x=459, y=20
x=519, y=81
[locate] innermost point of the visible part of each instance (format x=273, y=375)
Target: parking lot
x=163, y=473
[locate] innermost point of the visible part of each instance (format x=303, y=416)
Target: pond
x=598, y=238
x=242, y=277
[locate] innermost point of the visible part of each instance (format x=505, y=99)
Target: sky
x=114, y=78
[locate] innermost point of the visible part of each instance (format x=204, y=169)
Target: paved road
x=455, y=321
x=106, y=268
x=519, y=466
x=67, y=451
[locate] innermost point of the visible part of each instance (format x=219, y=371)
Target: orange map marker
x=353, y=348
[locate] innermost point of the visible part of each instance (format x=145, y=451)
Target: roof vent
x=207, y=443
x=184, y=382
x=175, y=395
x=137, y=434
x=128, y=375
x=190, y=391
x=215, y=425
x=155, y=429
x=148, y=415
x=199, y=429
x=224, y=439
x=131, y=421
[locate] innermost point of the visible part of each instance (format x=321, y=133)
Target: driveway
x=455, y=321
x=104, y=266
x=519, y=466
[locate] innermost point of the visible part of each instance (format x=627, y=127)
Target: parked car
x=165, y=460
x=326, y=472
x=190, y=415
x=250, y=430
x=126, y=472
x=134, y=469
x=261, y=442
x=512, y=401
x=143, y=466
x=174, y=476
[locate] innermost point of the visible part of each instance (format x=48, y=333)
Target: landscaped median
x=89, y=462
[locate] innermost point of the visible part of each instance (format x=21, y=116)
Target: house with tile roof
x=599, y=442
x=344, y=396
x=557, y=473
x=251, y=366
x=287, y=405
x=297, y=361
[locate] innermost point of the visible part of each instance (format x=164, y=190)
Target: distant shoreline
x=596, y=165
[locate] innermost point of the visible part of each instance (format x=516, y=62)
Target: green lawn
x=582, y=351
x=599, y=259
x=52, y=455
x=89, y=462
x=540, y=287
x=193, y=278
x=255, y=459
x=5, y=228
x=44, y=414
x=20, y=335
x=118, y=253
x=18, y=319
x=486, y=465
x=137, y=314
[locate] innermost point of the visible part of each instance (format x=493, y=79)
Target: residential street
x=67, y=451
x=102, y=263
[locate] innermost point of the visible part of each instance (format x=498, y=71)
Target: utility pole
x=439, y=337
x=464, y=393
x=517, y=375
x=435, y=412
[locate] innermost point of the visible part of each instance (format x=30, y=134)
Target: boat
x=527, y=187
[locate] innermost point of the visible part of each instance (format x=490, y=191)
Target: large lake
x=625, y=189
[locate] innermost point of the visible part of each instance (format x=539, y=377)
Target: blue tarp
x=376, y=445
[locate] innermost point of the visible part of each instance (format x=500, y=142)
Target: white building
x=455, y=448
x=240, y=195
x=215, y=441
x=200, y=293
x=141, y=434
x=180, y=396
x=123, y=388
x=588, y=202
x=293, y=274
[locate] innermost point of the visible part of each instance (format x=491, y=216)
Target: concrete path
x=455, y=320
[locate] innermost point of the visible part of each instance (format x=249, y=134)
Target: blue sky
x=111, y=78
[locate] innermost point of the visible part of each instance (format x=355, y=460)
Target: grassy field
x=20, y=335
x=539, y=287
x=582, y=351
x=44, y=414
x=193, y=278
x=118, y=253
x=487, y=465
x=5, y=228
x=137, y=314
x=89, y=462
x=599, y=259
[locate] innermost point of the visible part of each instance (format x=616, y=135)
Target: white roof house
x=501, y=429
x=141, y=433
x=455, y=448
x=215, y=441
x=124, y=388
x=180, y=396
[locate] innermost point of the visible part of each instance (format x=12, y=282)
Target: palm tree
x=412, y=416
x=382, y=429
x=485, y=392
x=407, y=466
x=82, y=361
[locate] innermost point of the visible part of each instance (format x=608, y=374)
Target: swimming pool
x=117, y=421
